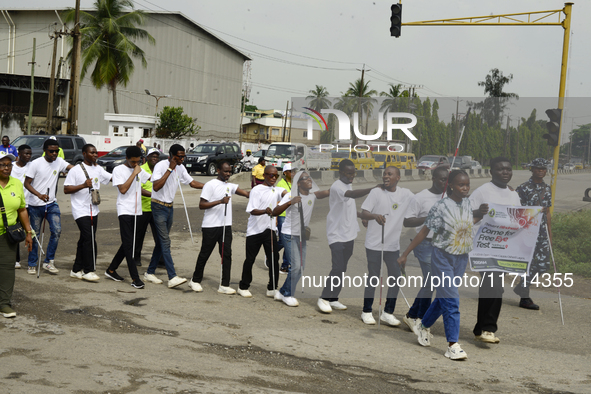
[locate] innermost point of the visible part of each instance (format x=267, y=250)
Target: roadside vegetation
x=571, y=242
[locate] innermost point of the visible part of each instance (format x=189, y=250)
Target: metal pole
x=561, y=92
x=49, y=121
x=75, y=75
x=32, y=101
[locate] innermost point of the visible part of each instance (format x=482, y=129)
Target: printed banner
x=506, y=239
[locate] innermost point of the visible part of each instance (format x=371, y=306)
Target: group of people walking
x=280, y=211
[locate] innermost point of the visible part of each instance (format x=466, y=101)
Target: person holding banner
x=451, y=220
x=415, y=216
x=490, y=292
x=536, y=192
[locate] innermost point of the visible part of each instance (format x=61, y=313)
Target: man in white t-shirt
x=18, y=171
x=128, y=178
x=217, y=203
x=165, y=181
x=415, y=216
x=80, y=182
x=41, y=182
x=490, y=293
x=384, y=210
x=260, y=231
x=341, y=231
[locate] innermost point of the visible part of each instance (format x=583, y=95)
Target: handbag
x=95, y=196
x=16, y=233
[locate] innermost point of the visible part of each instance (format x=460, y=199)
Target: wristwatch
x=169, y=169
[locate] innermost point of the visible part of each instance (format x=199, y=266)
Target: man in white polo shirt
x=165, y=181
x=21, y=165
x=41, y=182
x=217, y=202
x=80, y=182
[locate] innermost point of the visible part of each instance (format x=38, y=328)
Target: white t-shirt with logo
x=215, y=190
x=341, y=221
x=129, y=203
x=420, y=206
x=393, y=206
x=19, y=173
x=81, y=200
x=291, y=225
x=262, y=197
x=45, y=175
x=490, y=193
x=168, y=191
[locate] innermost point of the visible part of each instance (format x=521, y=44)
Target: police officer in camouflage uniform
x=535, y=192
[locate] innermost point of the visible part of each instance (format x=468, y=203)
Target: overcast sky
x=299, y=44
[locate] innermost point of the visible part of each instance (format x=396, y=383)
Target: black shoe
x=138, y=284
x=528, y=303
x=138, y=263
x=114, y=275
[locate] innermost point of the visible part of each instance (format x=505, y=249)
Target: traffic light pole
x=538, y=18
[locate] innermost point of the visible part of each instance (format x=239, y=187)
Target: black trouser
x=253, y=245
x=126, y=223
x=7, y=274
x=84, y=258
x=211, y=237
x=340, y=253
x=142, y=226
x=490, y=300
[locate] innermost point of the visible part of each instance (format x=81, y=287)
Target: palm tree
x=318, y=98
x=365, y=103
x=392, y=102
x=107, y=41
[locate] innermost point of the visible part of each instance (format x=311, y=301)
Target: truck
x=299, y=155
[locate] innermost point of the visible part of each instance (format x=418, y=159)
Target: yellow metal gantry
x=537, y=18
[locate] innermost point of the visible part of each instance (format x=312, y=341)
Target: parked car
x=205, y=157
x=71, y=145
x=474, y=165
x=298, y=155
x=117, y=156
x=461, y=162
x=569, y=166
x=429, y=162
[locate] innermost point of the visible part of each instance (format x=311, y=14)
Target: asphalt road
x=74, y=336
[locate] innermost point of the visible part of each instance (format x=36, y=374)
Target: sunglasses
x=271, y=175
x=53, y=150
x=304, y=178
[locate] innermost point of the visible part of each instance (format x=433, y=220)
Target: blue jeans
x=374, y=263
x=282, y=242
x=292, y=249
x=423, y=300
x=36, y=215
x=163, y=222
x=447, y=300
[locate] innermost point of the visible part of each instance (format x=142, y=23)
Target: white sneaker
x=32, y=270
x=324, y=306
x=226, y=290
x=244, y=293
x=367, y=318
x=176, y=281
x=271, y=293
x=337, y=305
x=91, y=277
x=488, y=337
x=152, y=278
x=50, y=267
x=424, y=335
x=77, y=275
x=455, y=352
x=17, y=265
x=389, y=319
x=278, y=296
x=411, y=323
x=195, y=286
x=290, y=301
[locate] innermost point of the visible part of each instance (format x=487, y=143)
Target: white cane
x=92, y=238
x=135, y=218
x=272, y=256
x=554, y=262
x=381, y=265
x=185, y=204
x=223, y=241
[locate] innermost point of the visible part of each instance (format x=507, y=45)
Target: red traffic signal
x=396, y=20
x=553, y=126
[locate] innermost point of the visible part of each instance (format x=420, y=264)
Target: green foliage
x=107, y=36
x=247, y=107
x=493, y=106
x=571, y=242
x=580, y=141
x=175, y=124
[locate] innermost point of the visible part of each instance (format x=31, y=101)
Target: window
x=221, y=149
x=66, y=143
x=274, y=131
x=403, y=159
x=300, y=152
x=305, y=134
x=146, y=133
x=79, y=143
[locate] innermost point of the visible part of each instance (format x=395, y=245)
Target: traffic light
x=396, y=20
x=553, y=126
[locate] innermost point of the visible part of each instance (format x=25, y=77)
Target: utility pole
x=457, y=125
x=51, y=96
x=517, y=152
x=32, y=63
x=589, y=148
x=75, y=75
x=290, y=114
x=507, y=138
x=283, y=135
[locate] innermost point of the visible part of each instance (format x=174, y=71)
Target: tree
x=107, y=42
x=392, y=102
x=364, y=103
x=247, y=107
x=175, y=124
x=317, y=99
x=492, y=107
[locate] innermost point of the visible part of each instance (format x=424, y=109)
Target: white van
x=299, y=155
